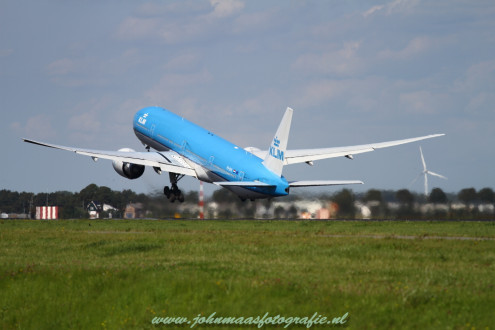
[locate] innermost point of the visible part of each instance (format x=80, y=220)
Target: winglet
x=274, y=159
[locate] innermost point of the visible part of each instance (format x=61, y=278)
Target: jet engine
x=128, y=170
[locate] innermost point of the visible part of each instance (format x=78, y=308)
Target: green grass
x=122, y=274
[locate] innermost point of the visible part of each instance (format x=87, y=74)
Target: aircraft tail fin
x=275, y=158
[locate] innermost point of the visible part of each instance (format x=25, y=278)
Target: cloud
x=344, y=61
x=424, y=102
x=354, y=95
x=184, y=7
x=418, y=102
x=173, y=87
x=90, y=120
x=174, y=24
x=84, y=71
x=264, y=104
x=254, y=21
x=224, y=8
x=320, y=92
x=36, y=127
x=372, y=10
x=87, y=122
x=133, y=28
x=396, y=6
x=480, y=102
x=477, y=85
x=61, y=67
x=479, y=76
x=77, y=72
x=416, y=46
x=214, y=8
x=101, y=122
x=6, y=52
x=182, y=62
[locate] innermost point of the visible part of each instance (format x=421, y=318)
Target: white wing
x=168, y=161
x=323, y=183
x=309, y=155
x=243, y=184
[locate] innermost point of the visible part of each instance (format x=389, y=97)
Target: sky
x=75, y=72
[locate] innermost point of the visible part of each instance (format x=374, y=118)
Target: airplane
x=184, y=148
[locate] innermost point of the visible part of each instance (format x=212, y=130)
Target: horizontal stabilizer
x=243, y=184
x=323, y=183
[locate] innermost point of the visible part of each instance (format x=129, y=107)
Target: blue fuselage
x=214, y=158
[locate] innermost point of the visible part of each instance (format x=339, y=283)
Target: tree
x=68, y=204
x=279, y=212
x=486, y=195
x=406, y=200
x=373, y=195
x=9, y=201
x=345, y=201
x=437, y=196
x=405, y=197
x=467, y=195
x=292, y=214
x=221, y=196
x=88, y=193
x=374, y=201
x=192, y=197
x=104, y=195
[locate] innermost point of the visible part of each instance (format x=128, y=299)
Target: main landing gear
x=174, y=193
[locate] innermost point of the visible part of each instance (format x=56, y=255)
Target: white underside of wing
x=168, y=161
x=243, y=184
x=323, y=183
x=308, y=155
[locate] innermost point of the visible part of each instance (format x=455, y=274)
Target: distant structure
x=46, y=212
x=14, y=215
x=110, y=210
x=94, y=209
x=323, y=213
x=201, y=201
x=426, y=172
x=133, y=211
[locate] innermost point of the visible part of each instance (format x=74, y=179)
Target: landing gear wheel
x=173, y=193
x=166, y=192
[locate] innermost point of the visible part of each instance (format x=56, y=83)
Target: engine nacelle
x=128, y=170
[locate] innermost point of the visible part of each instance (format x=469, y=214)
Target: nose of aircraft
x=142, y=115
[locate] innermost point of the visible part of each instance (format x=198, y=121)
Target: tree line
x=403, y=204
x=407, y=204
x=71, y=205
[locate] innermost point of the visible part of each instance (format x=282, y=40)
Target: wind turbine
x=426, y=172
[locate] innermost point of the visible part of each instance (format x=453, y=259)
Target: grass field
x=122, y=274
